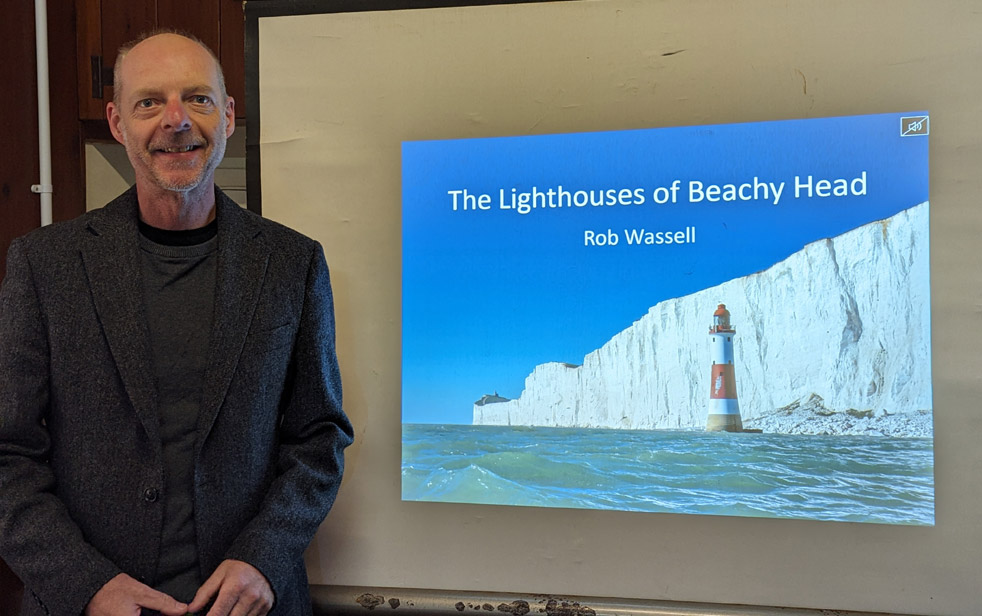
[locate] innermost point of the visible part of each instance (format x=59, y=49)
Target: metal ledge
x=362, y=600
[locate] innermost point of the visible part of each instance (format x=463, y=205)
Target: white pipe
x=44, y=112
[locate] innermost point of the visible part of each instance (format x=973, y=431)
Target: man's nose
x=175, y=116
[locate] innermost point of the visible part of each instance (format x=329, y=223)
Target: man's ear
x=112, y=114
x=229, y=117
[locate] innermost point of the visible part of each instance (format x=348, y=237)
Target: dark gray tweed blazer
x=80, y=454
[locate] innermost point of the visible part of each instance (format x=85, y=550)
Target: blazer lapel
x=112, y=264
x=242, y=260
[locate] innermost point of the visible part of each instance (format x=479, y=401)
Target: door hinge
x=101, y=76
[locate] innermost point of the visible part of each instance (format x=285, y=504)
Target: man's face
x=170, y=113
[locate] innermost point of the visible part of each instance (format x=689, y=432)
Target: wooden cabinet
x=105, y=25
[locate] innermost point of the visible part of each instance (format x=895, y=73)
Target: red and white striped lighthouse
x=724, y=410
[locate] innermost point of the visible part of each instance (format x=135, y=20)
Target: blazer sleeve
x=38, y=538
x=314, y=431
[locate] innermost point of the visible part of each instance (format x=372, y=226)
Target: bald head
x=118, y=75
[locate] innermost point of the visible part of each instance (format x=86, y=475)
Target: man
x=171, y=432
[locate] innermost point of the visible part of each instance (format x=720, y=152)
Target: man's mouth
x=179, y=149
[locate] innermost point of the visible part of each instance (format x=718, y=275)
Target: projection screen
x=337, y=89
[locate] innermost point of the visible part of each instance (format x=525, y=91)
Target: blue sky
x=490, y=294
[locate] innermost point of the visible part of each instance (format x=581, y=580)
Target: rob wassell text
x=639, y=237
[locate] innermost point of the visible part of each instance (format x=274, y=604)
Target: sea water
x=847, y=478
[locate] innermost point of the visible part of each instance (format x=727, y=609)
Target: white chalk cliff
x=845, y=321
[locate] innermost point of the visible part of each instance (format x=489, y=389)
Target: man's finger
x=206, y=592
x=165, y=604
x=223, y=605
x=127, y=593
x=238, y=589
x=162, y=602
x=245, y=607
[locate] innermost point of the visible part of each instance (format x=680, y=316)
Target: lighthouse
x=724, y=410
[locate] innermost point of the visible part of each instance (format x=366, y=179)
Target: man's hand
x=124, y=596
x=242, y=591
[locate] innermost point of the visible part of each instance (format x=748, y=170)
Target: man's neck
x=176, y=210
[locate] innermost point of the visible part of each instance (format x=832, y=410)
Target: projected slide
x=725, y=320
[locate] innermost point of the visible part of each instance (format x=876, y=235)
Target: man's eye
x=145, y=103
x=201, y=99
